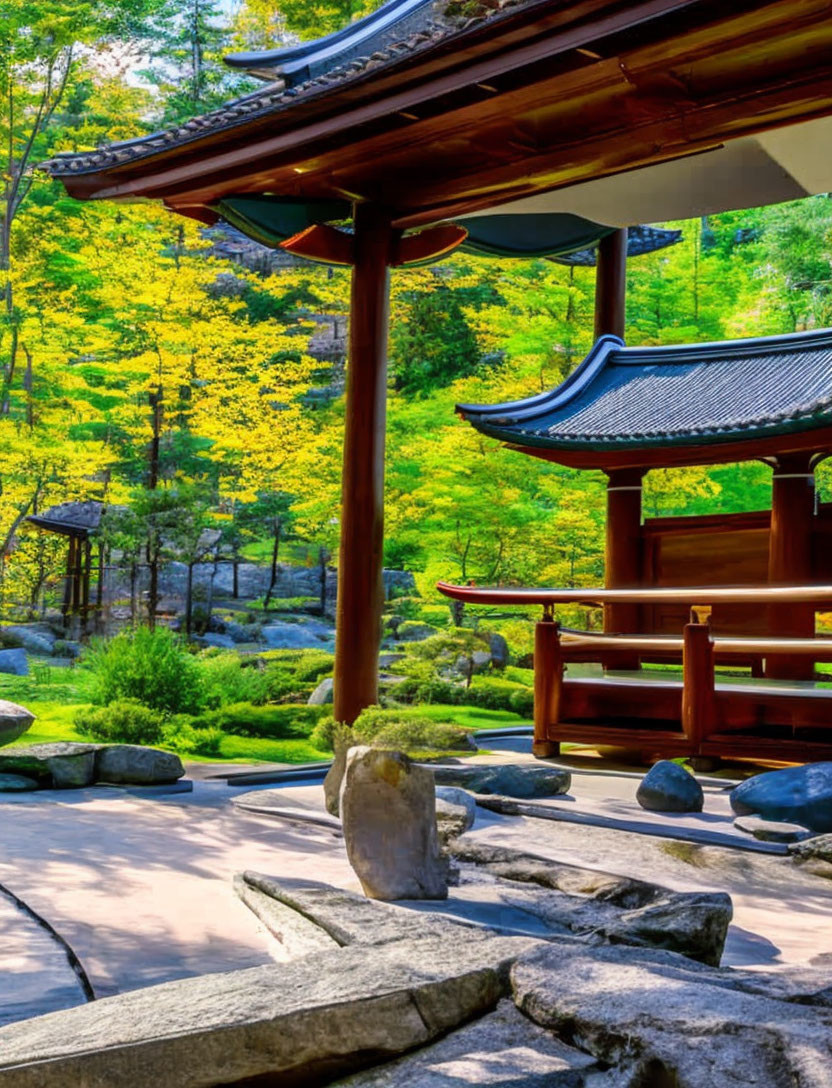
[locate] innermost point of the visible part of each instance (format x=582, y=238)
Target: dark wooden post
x=611, y=284
x=360, y=587
x=548, y=680
x=86, y=572
x=698, y=702
x=622, y=559
x=66, y=607
x=790, y=558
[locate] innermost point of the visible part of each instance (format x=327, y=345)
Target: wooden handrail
x=818, y=648
x=693, y=595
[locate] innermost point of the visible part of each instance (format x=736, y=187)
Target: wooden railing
x=697, y=645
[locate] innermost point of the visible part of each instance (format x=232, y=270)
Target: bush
x=125, y=721
x=414, y=690
x=227, y=678
x=151, y=667
x=282, y=722
x=494, y=693
x=329, y=734
x=295, y=673
x=390, y=729
x=180, y=733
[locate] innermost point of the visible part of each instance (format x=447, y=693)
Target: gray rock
x=304, y=1022
x=695, y=924
x=819, y=846
x=63, y=764
x=39, y=640
x=298, y=636
x=661, y=1020
x=772, y=830
x=506, y=779
x=668, y=787
x=388, y=814
x=322, y=695
x=16, y=783
x=67, y=648
x=348, y=918
x=502, y=1050
x=479, y=661
x=296, y=934
x=456, y=811
x=499, y=651
x=241, y=632
x=14, y=662
x=411, y=631
x=134, y=764
x=211, y=638
x=334, y=779
x=385, y=661
x=14, y=721
x=797, y=795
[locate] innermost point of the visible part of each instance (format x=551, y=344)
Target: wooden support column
x=622, y=558
x=548, y=680
x=790, y=557
x=360, y=586
x=85, y=584
x=66, y=607
x=611, y=285
x=698, y=701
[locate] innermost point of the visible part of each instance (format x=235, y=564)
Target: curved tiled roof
x=689, y=394
x=439, y=23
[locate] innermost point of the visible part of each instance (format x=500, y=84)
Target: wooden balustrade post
x=548, y=682
x=698, y=700
x=622, y=556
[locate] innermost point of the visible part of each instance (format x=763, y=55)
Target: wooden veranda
x=422, y=120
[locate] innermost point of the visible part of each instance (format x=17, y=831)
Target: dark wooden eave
x=544, y=95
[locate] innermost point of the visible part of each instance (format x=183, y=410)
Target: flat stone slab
x=306, y=1021
x=62, y=764
x=506, y=779
x=772, y=830
x=662, y=1020
x=502, y=1050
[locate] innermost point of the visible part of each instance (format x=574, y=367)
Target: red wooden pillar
x=790, y=557
x=622, y=562
x=611, y=284
x=360, y=587
x=548, y=679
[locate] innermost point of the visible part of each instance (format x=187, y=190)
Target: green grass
x=468, y=717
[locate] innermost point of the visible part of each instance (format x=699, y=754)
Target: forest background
x=140, y=367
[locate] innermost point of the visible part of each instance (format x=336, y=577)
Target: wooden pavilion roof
x=514, y=100
x=658, y=404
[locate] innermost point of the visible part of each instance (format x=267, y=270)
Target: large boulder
x=14, y=662
x=661, y=1020
x=505, y=779
x=304, y=1022
x=37, y=640
x=62, y=764
x=14, y=721
x=499, y=651
x=388, y=814
x=503, y=1050
x=668, y=787
x=135, y=765
x=797, y=795
x=456, y=811
x=298, y=636
x=412, y=631
x=16, y=783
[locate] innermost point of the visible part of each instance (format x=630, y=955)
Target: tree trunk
x=273, y=579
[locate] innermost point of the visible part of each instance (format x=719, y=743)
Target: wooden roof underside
x=552, y=95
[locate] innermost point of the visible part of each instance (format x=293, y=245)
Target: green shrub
x=389, y=729
x=180, y=733
x=152, y=667
x=228, y=678
x=282, y=722
x=124, y=721
x=494, y=693
x=329, y=734
x=295, y=673
x=413, y=690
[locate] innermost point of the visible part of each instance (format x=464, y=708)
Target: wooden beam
x=360, y=585
x=820, y=596
x=611, y=285
x=322, y=243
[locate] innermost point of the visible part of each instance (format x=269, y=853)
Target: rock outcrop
x=135, y=765
x=668, y=787
x=456, y=811
x=388, y=815
x=14, y=662
x=73, y=765
x=14, y=721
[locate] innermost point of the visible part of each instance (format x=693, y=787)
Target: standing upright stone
x=388, y=814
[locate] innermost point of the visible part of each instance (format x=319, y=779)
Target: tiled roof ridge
x=276, y=95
